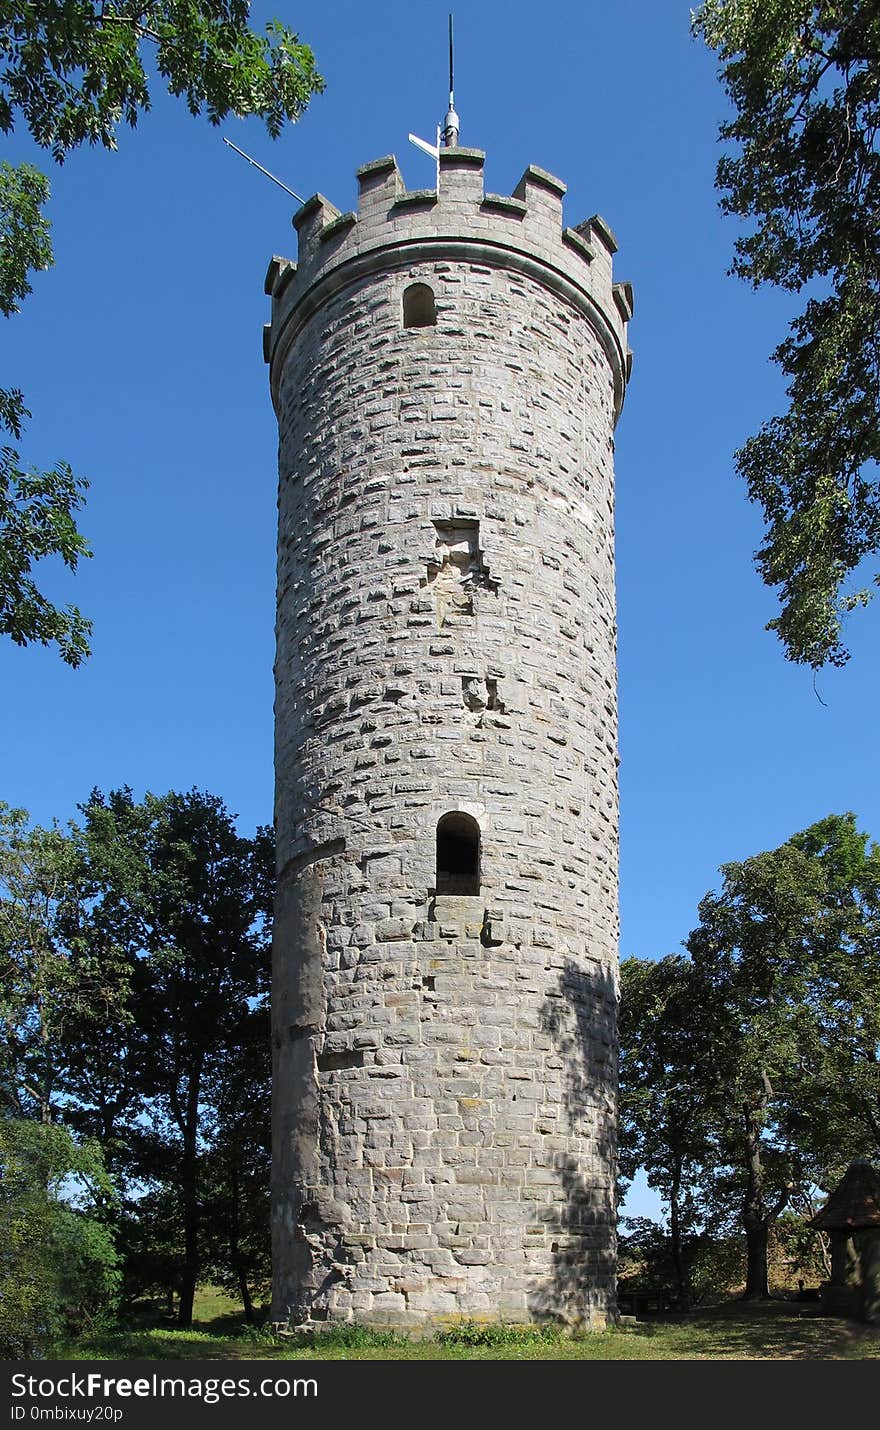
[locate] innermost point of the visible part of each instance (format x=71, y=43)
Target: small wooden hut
x=851, y=1216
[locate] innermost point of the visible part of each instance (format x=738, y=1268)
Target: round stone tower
x=447, y=367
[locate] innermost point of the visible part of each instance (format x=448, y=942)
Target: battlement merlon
x=458, y=221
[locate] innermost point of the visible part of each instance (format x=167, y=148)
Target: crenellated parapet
x=399, y=228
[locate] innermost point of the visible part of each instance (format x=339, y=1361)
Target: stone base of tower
x=444, y=1135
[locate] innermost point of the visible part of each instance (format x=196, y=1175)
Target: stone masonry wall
x=445, y=1063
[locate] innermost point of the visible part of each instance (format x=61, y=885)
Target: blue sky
x=140, y=357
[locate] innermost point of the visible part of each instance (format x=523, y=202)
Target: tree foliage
x=37, y=509
x=58, y=1262
x=75, y=69
x=803, y=170
x=59, y=991
x=841, y=1082
x=172, y=882
x=750, y=1073
x=237, y=1167
x=706, y=1263
x=753, y=954
x=25, y=244
x=37, y=519
x=133, y=996
x=72, y=72
x=667, y=1087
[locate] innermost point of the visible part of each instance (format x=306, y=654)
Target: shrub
x=58, y=1264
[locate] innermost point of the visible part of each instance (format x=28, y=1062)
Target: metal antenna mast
x=450, y=123
x=449, y=130
x=264, y=171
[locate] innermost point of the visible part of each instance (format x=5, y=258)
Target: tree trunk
x=757, y=1286
x=244, y=1293
x=46, y=1086
x=235, y=1256
x=189, y=1196
x=681, y=1278
x=754, y=1217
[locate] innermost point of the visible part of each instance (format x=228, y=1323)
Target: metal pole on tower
x=450, y=123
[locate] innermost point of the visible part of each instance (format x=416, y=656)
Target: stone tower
x=447, y=368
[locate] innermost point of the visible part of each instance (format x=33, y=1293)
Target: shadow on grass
x=146, y=1330
x=769, y=1331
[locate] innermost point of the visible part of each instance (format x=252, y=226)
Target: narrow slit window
x=458, y=855
x=419, y=307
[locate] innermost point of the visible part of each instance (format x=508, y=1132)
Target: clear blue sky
x=140, y=357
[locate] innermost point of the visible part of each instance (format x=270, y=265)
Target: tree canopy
x=58, y=1263
x=172, y=882
x=667, y=1087
x=803, y=170
x=749, y=1070
x=133, y=1014
x=72, y=72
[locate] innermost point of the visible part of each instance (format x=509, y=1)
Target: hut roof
x=854, y=1203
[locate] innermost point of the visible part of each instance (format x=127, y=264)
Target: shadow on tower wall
x=581, y=1017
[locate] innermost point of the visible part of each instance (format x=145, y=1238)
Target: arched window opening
x=458, y=855
x=419, y=307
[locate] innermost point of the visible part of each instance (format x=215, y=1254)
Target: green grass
x=774, y=1330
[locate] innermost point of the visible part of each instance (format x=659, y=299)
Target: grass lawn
x=772, y=1330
